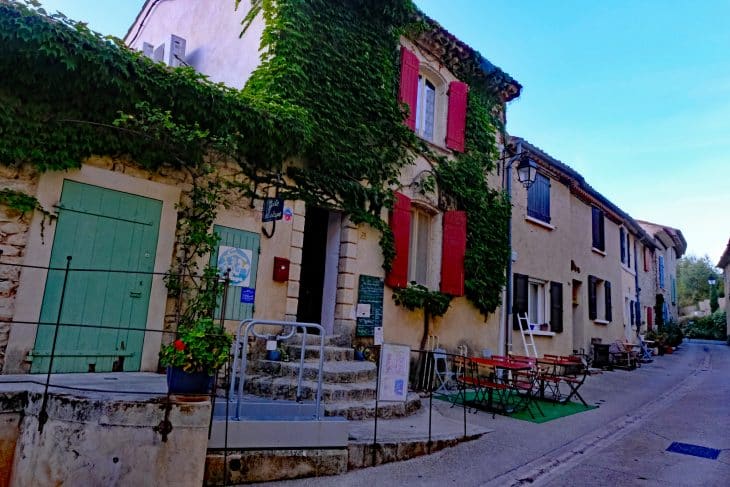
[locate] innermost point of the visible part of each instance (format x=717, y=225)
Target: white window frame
x=538, y=313
x=421, y=260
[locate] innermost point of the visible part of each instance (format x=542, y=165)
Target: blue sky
x=634, y=95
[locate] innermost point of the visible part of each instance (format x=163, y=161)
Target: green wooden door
x=104, y=232
x=243, y=247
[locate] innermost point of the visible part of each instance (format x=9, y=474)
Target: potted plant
x=192, y=360
x=278, y=354
x=360, y=353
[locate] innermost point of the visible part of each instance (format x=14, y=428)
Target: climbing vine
x=318, y=119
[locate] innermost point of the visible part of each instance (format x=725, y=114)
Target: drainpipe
x=637, y=311
x=505, y=335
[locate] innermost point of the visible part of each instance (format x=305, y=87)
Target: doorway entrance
x=320, y=260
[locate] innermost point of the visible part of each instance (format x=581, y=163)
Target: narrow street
x=681, y=397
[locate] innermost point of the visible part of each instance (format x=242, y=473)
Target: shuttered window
x=647, y=259
x=592, y=301
x=649, y=318
x=660, y=273
x=628, y=249
x=598, y=229
x=400, y=224
x=241, y=257
x=519, y=303
x=538, y=199
x=623, y=245
x=453, y=252
x=408, y=89
x=556, y=307
x=456, y=122
x=607, y=291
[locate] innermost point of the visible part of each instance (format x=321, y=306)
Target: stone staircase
x=348, y=386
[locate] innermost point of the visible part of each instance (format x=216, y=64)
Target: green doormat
x=551, y=410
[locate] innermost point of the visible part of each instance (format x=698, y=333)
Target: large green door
x=243, y=247
x=112, y=238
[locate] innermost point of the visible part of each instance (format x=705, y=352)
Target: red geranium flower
x=179, y=345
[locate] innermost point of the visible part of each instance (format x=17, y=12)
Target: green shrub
x=712, y=327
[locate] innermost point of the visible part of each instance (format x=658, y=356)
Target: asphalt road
x=684, y=397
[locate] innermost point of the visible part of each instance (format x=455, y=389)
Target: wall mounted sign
x=239, y=263
x=273, y=209
x=248, y=295
x=395, y=361
x=369, y=305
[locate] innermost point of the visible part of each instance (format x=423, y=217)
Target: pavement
x=679, y=397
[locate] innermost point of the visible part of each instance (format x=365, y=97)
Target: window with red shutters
x=400, y=224
x=408, y=90
x=649, y=318
x=453, y=251
x=456, y=122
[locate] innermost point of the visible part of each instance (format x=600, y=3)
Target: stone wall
x=97, y=441
x=13, y=238
x=15, y=229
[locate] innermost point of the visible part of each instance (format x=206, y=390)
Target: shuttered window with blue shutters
x=538, y=199
x=244, y=264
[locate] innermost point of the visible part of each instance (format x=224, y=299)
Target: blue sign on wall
x=273, y=209
x=248, y=295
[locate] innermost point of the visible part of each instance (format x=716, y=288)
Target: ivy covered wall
x=325, y=95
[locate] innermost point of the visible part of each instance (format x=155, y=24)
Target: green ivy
x=415, y=296
x=324, y=96
x=19, y=201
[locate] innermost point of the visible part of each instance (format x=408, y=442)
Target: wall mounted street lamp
x=711, y=280
x=526, y=174
x=526, y=170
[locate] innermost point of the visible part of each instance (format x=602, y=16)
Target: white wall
x=211, y=29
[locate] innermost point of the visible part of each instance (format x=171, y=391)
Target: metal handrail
x=241, y=346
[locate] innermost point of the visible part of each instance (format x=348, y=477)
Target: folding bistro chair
x=443, y=374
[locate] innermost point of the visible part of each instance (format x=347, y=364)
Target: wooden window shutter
x=453, y=252
x=592, y=304
x=649, y=318
x=408, y=90
x=628, y=249
x=631, y=312
x=456, y=122
x=400, y=224
x=609, y=311
x=556, y=307
x=519, y=302
x=647, y=256
x=623, y=244
x=538, y=199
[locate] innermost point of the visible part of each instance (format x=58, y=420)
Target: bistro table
x=489, y=381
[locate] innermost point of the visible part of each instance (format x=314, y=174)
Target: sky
x=633, y=95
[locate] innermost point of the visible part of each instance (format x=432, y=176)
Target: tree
x=692, y=275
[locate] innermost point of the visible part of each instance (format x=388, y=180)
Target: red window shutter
x=400, y=224
x=649, y=318
x=456, y=123
x=408, y=92
x=453, y=251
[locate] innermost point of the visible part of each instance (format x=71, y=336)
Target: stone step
x=357, y=410
x=286, y=388
x=332, y=372
x=330, y=353
x=329, y=340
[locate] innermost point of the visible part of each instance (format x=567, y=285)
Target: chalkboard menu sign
x=369, y=305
